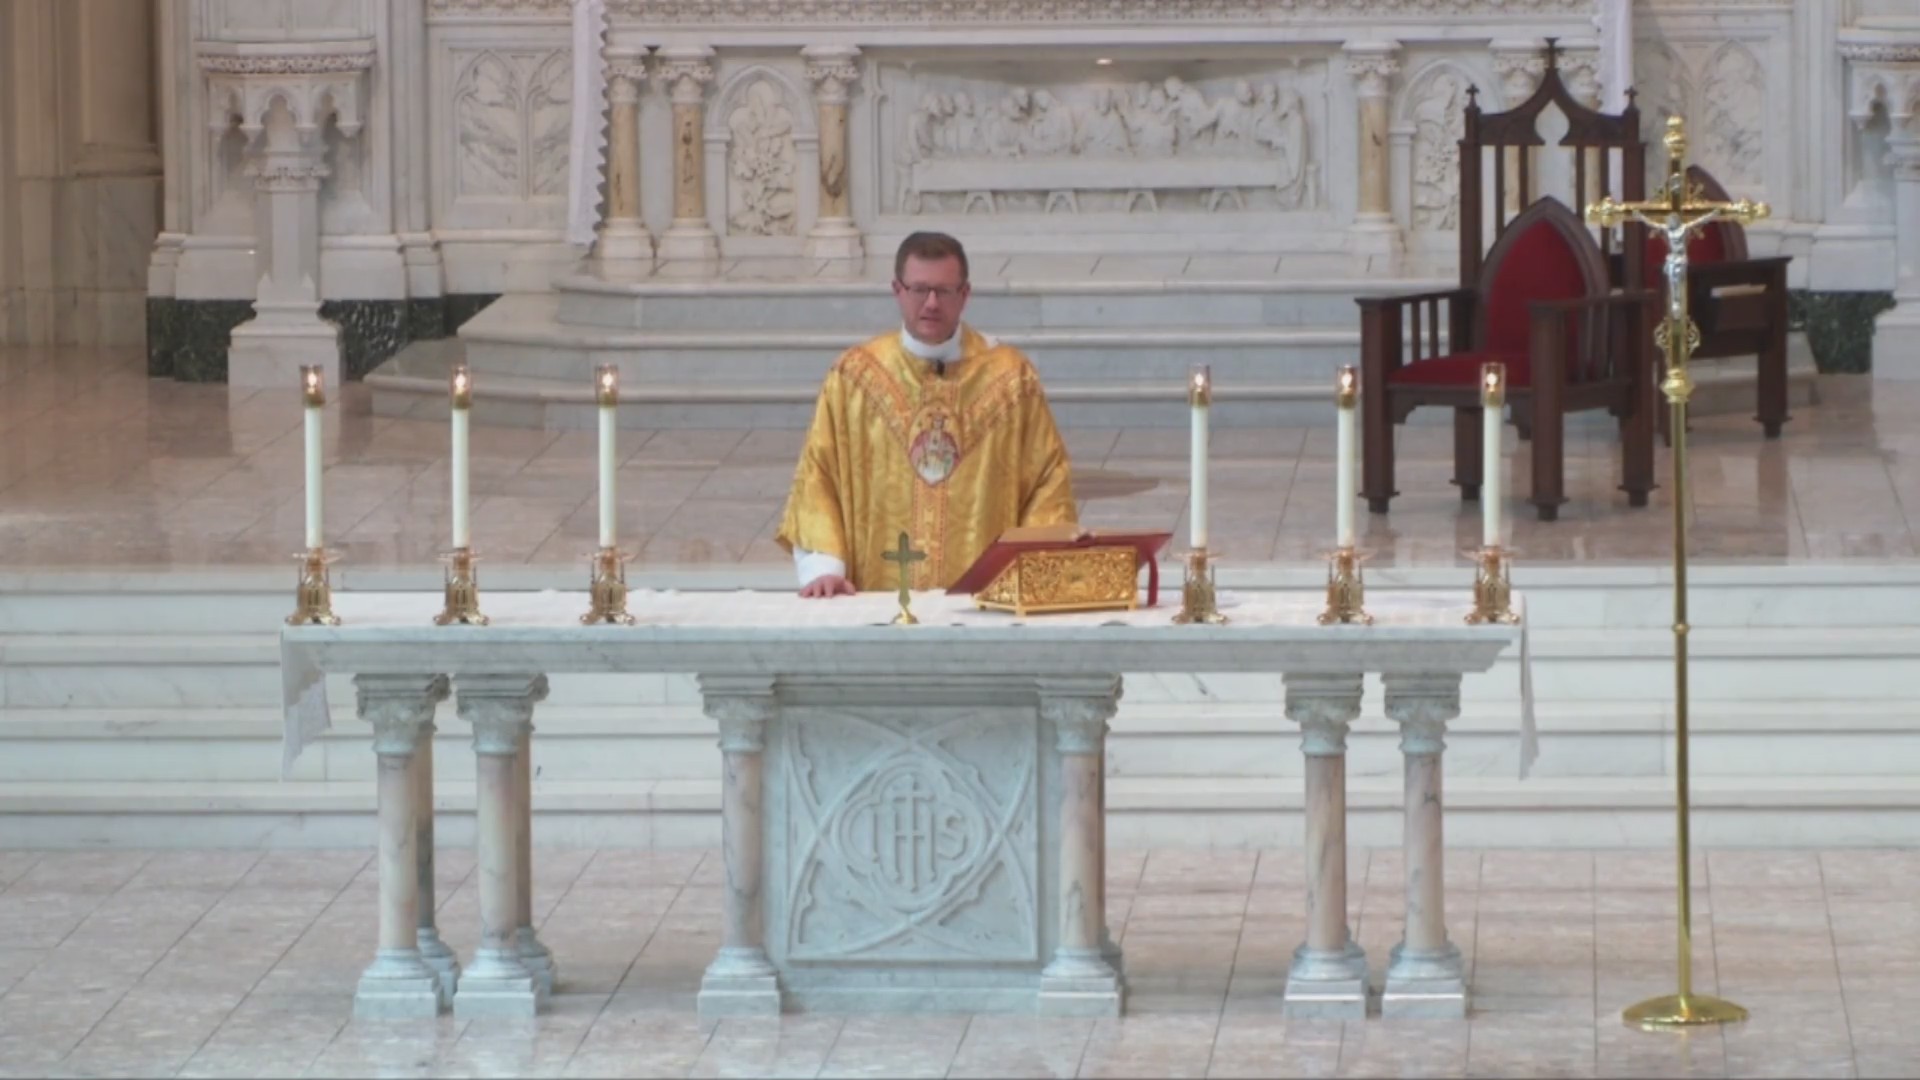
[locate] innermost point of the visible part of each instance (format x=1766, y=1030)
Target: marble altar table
x=913, y=818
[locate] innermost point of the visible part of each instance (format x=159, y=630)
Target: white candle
x=462, y=414
x=1347, y=397
x=314, y=391
x=607, y=391
x=1200, y=396
x=1493, y=400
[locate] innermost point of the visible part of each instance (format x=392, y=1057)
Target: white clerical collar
x=943, y=353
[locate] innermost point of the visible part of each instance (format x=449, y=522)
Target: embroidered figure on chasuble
x=954, y=459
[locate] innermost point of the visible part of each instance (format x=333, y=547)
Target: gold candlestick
x=463, y=591
x=607, y=591
x=1492, y=588
x=1346, y=590
x=1677, y=214
x=313, y=597
x=1197, y=599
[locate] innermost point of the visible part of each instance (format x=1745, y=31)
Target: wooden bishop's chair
x=1535, y=296
x=1739, y=303
x=1543, y=306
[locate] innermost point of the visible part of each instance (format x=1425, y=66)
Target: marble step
x=1612, y=812
x=1226, y=739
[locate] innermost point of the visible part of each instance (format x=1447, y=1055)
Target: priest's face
x=931, y=294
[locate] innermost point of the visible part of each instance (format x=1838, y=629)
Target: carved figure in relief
x=1736, y=91
x=1195, y=117
x=1150, y=122
x=1102, y=129
x=487, y=105
x=963, y=127
x=1436, y=152
x=761, y=164
x=1050, y=130
x=1239, y=114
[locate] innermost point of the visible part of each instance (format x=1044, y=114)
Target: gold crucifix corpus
x=1677, y=215
x=905, y=556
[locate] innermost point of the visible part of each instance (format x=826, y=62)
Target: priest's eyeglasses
x=942, y=293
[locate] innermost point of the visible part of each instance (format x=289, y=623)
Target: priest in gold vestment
x=933, y=430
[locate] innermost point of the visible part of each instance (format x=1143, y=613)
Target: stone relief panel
x=762, y=160
x=910, y=834
x=1145, y=138
x=1434, y=105
x=273, y=20
x=511, y=116
x=1721, y=90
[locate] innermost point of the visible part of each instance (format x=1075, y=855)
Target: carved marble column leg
x=432, y=949
x=686, y=71
x=398, y=983
x=500, y=708
x=1079, y=981
x=1425, y=977
x=1109, y=948
x=1372, y=66
x=1329, y=973
x=534, y=954
x=624, y=240
x=741, y=980
x=833, y=69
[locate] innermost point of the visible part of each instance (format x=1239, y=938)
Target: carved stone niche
x=1720, y=87
x=1428, y=122
x=762, y=155
x=1145, y=136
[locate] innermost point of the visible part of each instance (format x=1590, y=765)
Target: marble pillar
x=1328, y=978
x=285, y=96
x=398, y=983
x=741, y=980
x=1896, y=342
x=1372, y=66
x=498, y=982
x=534, y=954
x=432, y=949
x=690, y=239
x=1425, y=976
x=833, y=70
x=624, y=240
x=1079, y=980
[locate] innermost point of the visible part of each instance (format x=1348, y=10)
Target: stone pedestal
x=624, y=242
x=498, y=982
x=741, y=981
x=1896, y=333
x=399, y=983
x=833, y=70
x=690, y=239
x=1425, y=976
x=285, y=95
x=1329, y=974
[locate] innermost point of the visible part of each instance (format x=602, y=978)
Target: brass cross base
x=313, y=597
x=463, y=591
x=607, y=590
x=1492, y=588
x=1197, y=601
x=905, y=618
x=1346, y=591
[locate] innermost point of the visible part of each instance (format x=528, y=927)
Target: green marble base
x=188, y=339
x=1839, y=326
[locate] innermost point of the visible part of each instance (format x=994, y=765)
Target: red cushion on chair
x=1709, y=245
x=1539, y=266
x=1463, y=369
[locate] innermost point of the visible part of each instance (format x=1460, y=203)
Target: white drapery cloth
x=587, y=144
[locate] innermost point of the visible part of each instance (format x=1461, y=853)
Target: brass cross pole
x=905, y=556
x=1677, y=214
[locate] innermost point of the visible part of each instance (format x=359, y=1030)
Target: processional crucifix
x=1678, y=214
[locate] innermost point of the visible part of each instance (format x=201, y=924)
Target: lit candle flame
x=312, y=386
x=1493, y=382
x=1346, y=390
x=607, y=384
x=462, y=387
x=1200, y=385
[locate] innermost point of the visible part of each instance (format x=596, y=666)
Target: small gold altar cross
x=906, y=557
x=1676, y=214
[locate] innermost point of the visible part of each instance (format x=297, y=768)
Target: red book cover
x=1015, y=541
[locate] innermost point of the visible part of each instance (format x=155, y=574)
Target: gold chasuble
x=954, y=460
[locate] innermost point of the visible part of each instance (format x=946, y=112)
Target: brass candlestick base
x=1197, y=602
x=463, y=591
x=1492, y=588
x=607, y=592
x=313, y=597
x=1346, y=591
x=1682, y=1010
x=906, y=617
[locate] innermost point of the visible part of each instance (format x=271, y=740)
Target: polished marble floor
x=242, y=963
x=101, y=466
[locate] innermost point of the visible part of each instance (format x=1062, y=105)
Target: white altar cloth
x=757, y=632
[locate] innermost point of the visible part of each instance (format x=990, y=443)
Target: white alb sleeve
x=812, y=564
